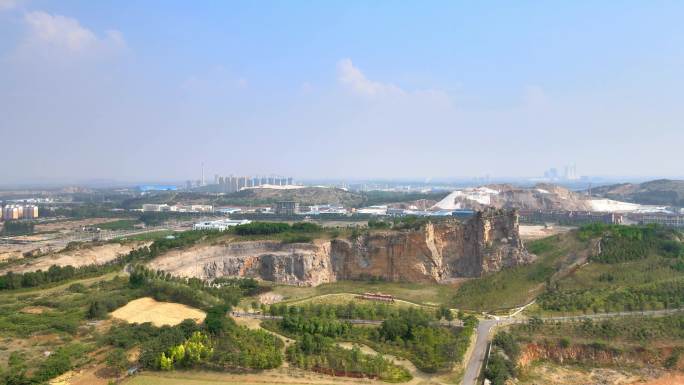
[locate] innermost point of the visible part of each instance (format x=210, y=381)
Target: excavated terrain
x=437, y=252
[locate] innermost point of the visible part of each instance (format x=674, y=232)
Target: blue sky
x=149, y=90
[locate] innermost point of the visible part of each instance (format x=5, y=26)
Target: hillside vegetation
x=663, y=192
x=410, y=333
x=638, y=268
x=519, y=285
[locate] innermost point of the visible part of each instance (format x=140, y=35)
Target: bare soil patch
x=147, y=309
x=270, y=298
x=532, y=232
x=549, y=373
x=34, y=310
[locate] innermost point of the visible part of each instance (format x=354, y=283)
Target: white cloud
x=7, y=4
x=535, y=96
x=352, y=78
x=67, y=33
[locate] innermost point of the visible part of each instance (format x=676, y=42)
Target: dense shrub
x=627, y=243
x=261, y=228
x=18, y=228
x=669, y=294
x=317, y=352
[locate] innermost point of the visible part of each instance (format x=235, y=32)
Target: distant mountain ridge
x=665, y=192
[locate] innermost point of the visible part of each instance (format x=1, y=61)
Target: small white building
x=373, y=210
x=220, y=225
x=228, y=210
x=155, y=207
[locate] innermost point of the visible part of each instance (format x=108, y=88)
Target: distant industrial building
x=373, y=210
x=396, y=212
x=230, y=184
x=16, y=212
x=569, y=217
x=156, y=187
x=668, y=220
x=152, y=207
x=286, y=208
x=322, y=210
x=220, y=225
x=228, y=210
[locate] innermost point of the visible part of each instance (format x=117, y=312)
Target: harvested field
x=147, y=309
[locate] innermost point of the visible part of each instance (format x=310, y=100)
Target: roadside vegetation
x=503, y=358
x=634, y=268
x=626, y=343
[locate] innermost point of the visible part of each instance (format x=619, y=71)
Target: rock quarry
x=437, y=252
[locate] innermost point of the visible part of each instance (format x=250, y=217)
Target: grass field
x=420, y=293
x=121, y=224
x=632, y=273
x=517, y=286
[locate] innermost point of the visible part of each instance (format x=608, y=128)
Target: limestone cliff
x=436, y=252
x=296, y=264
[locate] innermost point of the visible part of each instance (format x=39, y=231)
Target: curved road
x=484, y=330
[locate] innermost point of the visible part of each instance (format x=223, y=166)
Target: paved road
x=477, y=356
x=485, y=327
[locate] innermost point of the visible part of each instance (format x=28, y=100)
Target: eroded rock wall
x=436, y=252
x=296, y=264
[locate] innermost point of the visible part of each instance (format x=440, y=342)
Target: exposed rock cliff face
x=296, y=264
x=435, y=253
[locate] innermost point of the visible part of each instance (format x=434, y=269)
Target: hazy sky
x=135, y=90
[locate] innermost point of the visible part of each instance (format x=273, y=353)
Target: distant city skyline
x=130, y=91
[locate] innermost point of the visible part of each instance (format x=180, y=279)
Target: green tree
x=117, y=361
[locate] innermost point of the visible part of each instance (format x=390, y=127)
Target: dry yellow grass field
x=158, y=313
